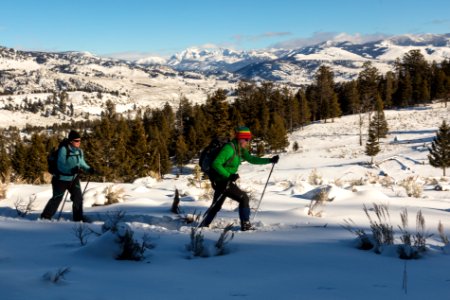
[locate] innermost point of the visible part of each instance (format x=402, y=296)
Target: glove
x=275, y=159
x=92, y=171
x=233, y=177
x=75, y=170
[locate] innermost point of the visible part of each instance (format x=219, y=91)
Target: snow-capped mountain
x=298, y=66
x=218, y=60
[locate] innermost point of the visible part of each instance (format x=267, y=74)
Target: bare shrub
x=315, y=178
x=253, y=199
x=412, y=187
x=17, y=179
x=364, y=241
x=23, y=208
x=225, y=237
x=372, y=178
x=387, y=181
x=196, y=245
x=47, y=177
x=413, y=245
x=112, y=220
x=196, y=179
x=155, y=175
x=3, y=190
x=358, y=182
x=431, y=181
x=318, y=200
x=114, y=195
x=339, y=182
x=442, y=234
x=207, y=191
x=131, y=248
x=420, y=237
x=189, y=218
x=382, y=230
x=5, y=177
x=176, y=203
x=81, y=232
x=56, y=277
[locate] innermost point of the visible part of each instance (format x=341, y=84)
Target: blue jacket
x=68, y=164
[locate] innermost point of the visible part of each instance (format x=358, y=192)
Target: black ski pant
x=222, y=190
x=59, y=187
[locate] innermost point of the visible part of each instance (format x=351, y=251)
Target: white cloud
x=253, y=38
x=131, y=55
x=320, y=37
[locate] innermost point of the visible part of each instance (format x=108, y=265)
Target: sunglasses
x=76, y=141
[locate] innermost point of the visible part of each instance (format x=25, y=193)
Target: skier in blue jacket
x=69, y=166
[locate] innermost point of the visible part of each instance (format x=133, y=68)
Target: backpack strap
x=64, y=144
x=234, y=154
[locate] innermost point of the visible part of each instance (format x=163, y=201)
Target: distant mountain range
x=195, y=72
x=297, y=66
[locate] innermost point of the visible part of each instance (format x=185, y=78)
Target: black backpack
x=52, y=157
x=209, y=154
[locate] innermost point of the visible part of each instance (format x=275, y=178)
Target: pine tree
x=304, y=111
x=379, y=121
x=388, y=90
x=439, y=156
x=417, y=66
x=217, y=108
x=120, y=162
x=36, y=160
x=372, y=145
x=277, y=133
x=5, y=162
x=18, y=160
x=137, y=148
x=368, y=80
x=323, y=94
x=181, y=153
x=350, y=97
x=292, y=110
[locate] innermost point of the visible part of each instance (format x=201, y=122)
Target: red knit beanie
x=243, y=133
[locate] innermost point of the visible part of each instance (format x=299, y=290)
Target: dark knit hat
x=243, y=133
x=73, y=135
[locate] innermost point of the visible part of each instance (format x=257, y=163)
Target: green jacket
x=223, y=170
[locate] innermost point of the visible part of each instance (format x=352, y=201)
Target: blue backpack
x=52, y=157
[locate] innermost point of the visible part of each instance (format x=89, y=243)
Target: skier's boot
x=244, y=215
x=246, y=226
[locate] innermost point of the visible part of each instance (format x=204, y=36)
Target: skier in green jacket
x=224, y=177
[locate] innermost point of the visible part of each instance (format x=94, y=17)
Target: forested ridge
x=153, y=140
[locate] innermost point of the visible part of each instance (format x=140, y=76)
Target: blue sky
x=133, y=28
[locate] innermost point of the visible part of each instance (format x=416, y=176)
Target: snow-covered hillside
x=295, y=253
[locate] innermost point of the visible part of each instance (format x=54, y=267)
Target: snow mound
x=334, y=193
x=105, y=246
x=146, y=181
x=370, y=193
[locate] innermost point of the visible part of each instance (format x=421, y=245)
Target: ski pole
x=66, y=192
x=85, y=187
x=262, y=195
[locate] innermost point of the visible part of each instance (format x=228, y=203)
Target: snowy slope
x=291, y=255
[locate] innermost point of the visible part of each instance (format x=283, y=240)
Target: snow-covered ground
x=291, y=255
